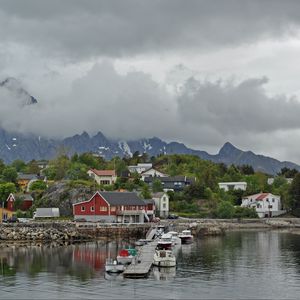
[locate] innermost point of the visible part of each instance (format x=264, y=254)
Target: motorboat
x=112, y=266
x=165, y=242
x=126, y=256
x=186, y=237
x=176, y=240
x=164, y=258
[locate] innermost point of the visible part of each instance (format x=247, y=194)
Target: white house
x=161, y=200
x=152, y=173
x=229, y=186
x=103, y=176
x=140, y=168
x=271, y=180
x=265, y=204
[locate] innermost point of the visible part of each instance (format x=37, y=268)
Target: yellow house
x=5, y=214
x=24, y=180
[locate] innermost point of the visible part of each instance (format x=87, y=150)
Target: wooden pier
x=141, y=267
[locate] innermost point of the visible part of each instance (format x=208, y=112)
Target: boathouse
x=121, y=207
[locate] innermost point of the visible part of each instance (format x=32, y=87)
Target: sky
x=197, y=72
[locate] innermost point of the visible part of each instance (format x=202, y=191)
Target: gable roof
x=23, y=197
x=122, y=198
x=158, y=194
x=104, y=172
x=262, y=196
x=146, y=171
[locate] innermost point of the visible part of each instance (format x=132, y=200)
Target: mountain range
x=28, y=147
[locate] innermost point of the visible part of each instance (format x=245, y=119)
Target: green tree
x=295, y=192
x=19, y=165
x=32, y=167
x=225, y=210
x=6, y=189
x=38, y=185
x=146, y=192
x=10, y=174
x=157, y=186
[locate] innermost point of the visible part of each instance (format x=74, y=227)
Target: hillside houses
x=266, y=204
x=103, y=177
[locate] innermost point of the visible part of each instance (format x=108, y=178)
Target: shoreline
x=71, y=232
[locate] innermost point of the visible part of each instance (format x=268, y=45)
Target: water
x=242, y=265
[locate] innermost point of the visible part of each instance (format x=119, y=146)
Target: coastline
x=71, y=232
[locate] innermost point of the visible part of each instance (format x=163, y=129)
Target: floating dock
x=142, y=264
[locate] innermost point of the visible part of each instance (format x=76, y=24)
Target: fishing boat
x=165, y=242
x=126, y=256
x=186, y=237
x=112, y=266
x=164, y=258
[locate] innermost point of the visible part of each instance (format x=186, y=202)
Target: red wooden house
x=26, y=201
x=111, y=207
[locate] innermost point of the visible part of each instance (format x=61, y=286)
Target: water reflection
x=164, y=274
x=232, y=266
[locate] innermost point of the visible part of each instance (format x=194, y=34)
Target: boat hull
x=164, y=263
x=114, y=268
x=186, y=239
x=124, y=260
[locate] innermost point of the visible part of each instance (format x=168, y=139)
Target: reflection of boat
x=113, y=276
x=164, y=258
x=164, y=273
x=186, y=237
x=165, y=242
x=186, y=249
x=126, y=256
x=112, y=266
x=176, y=240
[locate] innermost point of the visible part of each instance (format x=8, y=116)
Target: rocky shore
x=60, y=231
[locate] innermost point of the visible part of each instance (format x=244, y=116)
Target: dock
x=141, y=267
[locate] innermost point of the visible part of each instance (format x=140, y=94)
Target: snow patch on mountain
x=125, y=148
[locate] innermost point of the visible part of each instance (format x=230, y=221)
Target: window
x=113, y=208
x=273, y=200
x=164, y=205
x=92, y=208
x=103, y=208
x=82, y=208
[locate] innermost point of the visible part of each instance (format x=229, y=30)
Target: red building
x=26, y=201
x=111, y=207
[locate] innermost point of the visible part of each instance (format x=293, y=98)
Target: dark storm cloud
x=116, y=28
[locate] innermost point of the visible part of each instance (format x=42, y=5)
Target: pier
x=141, y=266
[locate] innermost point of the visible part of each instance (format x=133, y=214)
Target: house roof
x=23, y=197
x=262, y=196
x=22, y=176
x=170, y=179
x=104, y=172
x=146, y=171
x=123, y=198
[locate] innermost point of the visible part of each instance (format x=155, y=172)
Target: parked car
x=172, y=216
x=80, y=220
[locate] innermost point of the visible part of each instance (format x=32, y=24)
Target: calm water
x=243, y=265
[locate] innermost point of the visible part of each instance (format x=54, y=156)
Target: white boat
x=186, y=237
x=176, y=240
x=126, y=256
x=165, y=242
x=164, y=258
x=112, y=266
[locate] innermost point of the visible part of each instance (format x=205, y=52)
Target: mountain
x=28, y=147
x=17, y=92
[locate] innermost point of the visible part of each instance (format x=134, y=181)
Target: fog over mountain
x=199, y=72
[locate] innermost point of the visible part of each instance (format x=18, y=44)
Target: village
x=151, y=203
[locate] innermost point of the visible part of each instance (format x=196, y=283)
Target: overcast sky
x=198, y=72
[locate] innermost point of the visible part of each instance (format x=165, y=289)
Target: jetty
x=142, y=264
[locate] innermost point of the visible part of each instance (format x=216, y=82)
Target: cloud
x=237, y=109
x=81, y=29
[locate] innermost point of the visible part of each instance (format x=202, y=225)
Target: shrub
x=225, y=210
